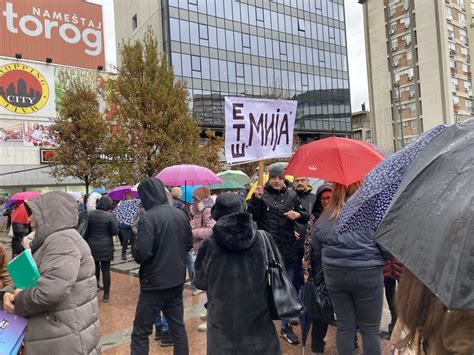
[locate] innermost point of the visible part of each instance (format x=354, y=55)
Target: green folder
x=23, y=270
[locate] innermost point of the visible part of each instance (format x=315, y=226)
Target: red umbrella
x=335, y=159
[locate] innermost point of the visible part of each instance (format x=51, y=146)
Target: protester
x=177, y=196
x=230, y=266
x=164, y=237
x=276, y=209
x=319, y=327
x=5, y=279
x=352, y=264
x=307, y=198
x=20, y=227
x=125, y=214
x=62, y=309
x=101, y=229
x=201, y=225
x=425, y=323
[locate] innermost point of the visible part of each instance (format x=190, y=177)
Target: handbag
x=317, y=302
x=83, y=225
x=283, y=300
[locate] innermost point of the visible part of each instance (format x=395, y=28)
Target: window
x=463, y=36
x=395, y=60
x=203, y=33
x=283, y=50
x=407, y=39
x=450, y=31
x=195, y=63
x=406, y=21
x=134, y=22
x=413, y=124
x=465, y=68
x=393, y=27
x=394, y=44
x=391, y=10
x=464, y=51
x=301, y=27
x=245, y=40
x=455, y=100
x=462, y=18
x=409, y=56
x=410, y=73
x=452, y=48
x=449, y=13
x=239, y=70
x=454, y=84
x=452, y=64
x=193, y=2
x=260, y=17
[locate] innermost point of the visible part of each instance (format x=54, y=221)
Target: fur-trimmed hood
x=235, y=231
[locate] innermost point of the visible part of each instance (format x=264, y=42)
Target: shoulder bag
x=283, y=299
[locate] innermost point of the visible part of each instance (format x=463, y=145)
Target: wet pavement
x=116, y=317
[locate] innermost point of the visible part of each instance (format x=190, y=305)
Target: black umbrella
x=429, y=226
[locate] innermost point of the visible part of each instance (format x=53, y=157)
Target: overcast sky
x=355, y=43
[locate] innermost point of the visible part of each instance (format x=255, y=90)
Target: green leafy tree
x=155, y=128
x=80, y=132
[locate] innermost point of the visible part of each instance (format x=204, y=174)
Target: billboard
x=69, y=32
x=19, y=133
x=27, y=89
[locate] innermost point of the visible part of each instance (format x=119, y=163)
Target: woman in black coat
x=230, y=267
x=100, y=231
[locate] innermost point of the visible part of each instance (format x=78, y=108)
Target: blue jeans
x=291, y=273
x=162, y=323
x=190, y=267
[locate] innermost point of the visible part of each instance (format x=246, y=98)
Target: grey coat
x=62, y=310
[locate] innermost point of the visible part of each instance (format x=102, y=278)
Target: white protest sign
x=258, y=129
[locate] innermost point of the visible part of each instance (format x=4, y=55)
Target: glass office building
x=289, y=49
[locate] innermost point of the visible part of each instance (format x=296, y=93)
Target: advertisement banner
x=38, y=134
x=64, y=77
x=68, y=32
x=258, y=129
x=11, y=133
x=27, y=89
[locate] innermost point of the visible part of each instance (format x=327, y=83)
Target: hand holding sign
x=259, y=192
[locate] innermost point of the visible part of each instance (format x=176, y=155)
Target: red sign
x=46, y=155
x=69, y=32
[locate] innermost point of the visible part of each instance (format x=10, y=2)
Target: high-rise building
x=258, y=48
x=419, y=66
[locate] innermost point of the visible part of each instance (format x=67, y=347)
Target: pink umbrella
x=24, y=196
x=119, y=193
x=188, y=175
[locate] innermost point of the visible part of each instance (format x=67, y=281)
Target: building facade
x=271, y=49
x=45, y=46
x=419, y=66
x=361, y=125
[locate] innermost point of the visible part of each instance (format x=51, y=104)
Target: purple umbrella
x=9, y=203
x=119, y=193
x=187, y=175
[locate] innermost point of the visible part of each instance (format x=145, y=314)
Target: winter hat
x=275, y=170
x=227, y=203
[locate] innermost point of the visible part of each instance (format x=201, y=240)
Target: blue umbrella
x=99, y=190
x=187, y=192
x=367, y=207
x=127, y=210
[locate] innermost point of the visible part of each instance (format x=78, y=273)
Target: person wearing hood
x=277, y=210
x=164, y=236
x=230, y=267
x=99, y=235
x=62, y=309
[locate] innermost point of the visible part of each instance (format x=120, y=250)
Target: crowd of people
x=216, y=241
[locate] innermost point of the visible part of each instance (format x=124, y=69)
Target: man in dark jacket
x=236, y=292
x=164, y=236
x=307, y=199
x=276, y=210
